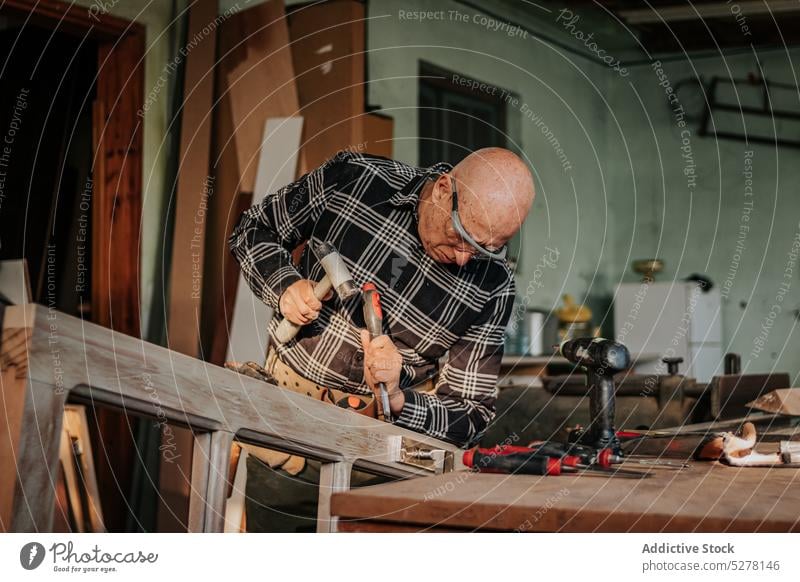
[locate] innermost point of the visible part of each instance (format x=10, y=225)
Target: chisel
x=373, y=317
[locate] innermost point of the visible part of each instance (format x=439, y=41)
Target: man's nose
x=462, y=257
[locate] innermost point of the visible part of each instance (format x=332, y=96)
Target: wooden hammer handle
x=286, y=329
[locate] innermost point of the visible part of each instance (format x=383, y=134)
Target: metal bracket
x=424, y=456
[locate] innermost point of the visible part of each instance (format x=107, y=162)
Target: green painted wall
x=725, y=208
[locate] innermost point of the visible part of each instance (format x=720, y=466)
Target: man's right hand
x=298, y=303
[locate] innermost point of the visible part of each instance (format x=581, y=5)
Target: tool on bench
x=591, y=456
x=337, y=276
x=601, y=359
x=373, y=317
x=537, y=463
x=586, y=455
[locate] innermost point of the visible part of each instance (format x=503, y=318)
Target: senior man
x=433, y=242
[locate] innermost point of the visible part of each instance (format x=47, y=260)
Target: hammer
x=601, y=358
x=337, y=276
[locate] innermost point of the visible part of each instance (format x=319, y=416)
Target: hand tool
x=537, y=463
x=373, y=317
x=337, y=276
x=583, y=454
x=576, y=453
x=601, y=359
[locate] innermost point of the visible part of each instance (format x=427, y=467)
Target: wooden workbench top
x=707, y=497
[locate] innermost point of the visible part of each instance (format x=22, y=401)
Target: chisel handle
x=519, y=463
x=286, y=330
x=373, y=318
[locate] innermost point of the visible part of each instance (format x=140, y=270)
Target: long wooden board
x=277, y=167
x=704, y=498
x=194, y=189
x=194, y=185
x=328, y=41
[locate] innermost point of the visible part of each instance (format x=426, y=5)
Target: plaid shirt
x=366, y=207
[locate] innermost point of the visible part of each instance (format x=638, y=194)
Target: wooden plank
x=117, y=199
x=197, y=495
x=76, y=425
x=377, y=134
x=116, y=236
x=210, y=464
x=333, y=478
x=67, y=460
x=277, y=167
x=37, y=458
x=708, y=497
x=235, y=505
x=730, y=393
x=328, y=53
x=12, y=405
x=255, y=81
x=783, y=401
x=194, y=186
x=261, y=84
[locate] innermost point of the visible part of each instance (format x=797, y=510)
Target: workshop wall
x=724, y=208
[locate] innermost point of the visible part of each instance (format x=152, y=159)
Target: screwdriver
x=602, y=457
x=535, y=463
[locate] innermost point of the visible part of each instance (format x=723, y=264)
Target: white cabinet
x=671, y=319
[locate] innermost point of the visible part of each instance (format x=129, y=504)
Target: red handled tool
x=511, y=459
x=373, y=317
x=488, y=461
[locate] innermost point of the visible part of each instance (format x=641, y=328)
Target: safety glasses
x=462, y=232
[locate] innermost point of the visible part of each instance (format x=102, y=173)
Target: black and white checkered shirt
x=366, y=207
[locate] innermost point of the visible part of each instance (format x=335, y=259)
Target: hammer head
x=335, y=269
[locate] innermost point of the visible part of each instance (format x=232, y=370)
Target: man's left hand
x=382, y=363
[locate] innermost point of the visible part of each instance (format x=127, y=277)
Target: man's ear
x=441, y=190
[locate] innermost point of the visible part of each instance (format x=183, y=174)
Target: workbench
x=706, y=497
x=531, y=366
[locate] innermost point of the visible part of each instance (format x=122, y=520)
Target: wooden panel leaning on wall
x=254, y=81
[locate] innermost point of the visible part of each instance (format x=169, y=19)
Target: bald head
x=495, y=192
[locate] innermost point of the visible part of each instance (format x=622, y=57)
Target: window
x=454, y=120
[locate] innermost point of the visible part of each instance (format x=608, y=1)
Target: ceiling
x=637, y=29
x=667, y=26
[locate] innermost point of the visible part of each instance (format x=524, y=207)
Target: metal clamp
x=423, y=456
